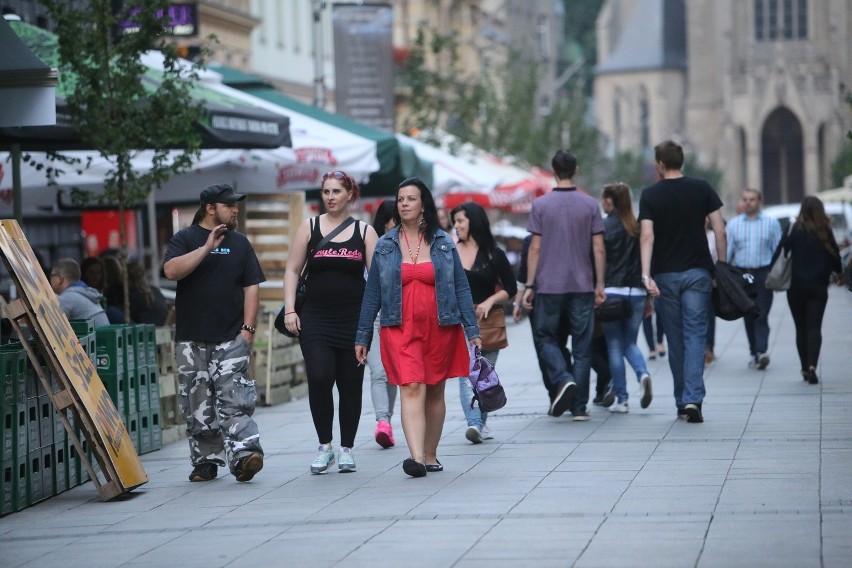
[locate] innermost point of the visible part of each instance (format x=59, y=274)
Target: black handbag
x=302, y=286
x=615, y=309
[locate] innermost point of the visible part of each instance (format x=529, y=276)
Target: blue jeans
x=551, y=310
x=621, y=343
x=683, y=304
x=475, y=417
x=382, y=392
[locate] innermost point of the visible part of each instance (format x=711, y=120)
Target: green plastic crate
x=111, y=349
x=116, y=387
x=83, y=326
x=7, y=486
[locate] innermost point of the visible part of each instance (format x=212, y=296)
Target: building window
x=784, y=20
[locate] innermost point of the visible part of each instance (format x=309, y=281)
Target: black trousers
x=807, y=304
x=326, y=366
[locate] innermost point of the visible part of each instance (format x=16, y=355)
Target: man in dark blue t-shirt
x=216, y=306
x=674, y=250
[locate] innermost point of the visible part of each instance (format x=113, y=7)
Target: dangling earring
x=422, y=224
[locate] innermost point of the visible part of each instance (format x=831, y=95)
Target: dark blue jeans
x=757, y=328
x=551, y=310
x=683, y=304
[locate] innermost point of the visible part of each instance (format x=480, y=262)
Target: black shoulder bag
x=301, y=287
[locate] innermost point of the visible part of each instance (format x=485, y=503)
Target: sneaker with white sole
x=647, y=394
x=619, y=408
x=323, y=460
x=345, y=461
x=762, y=361
x=564, y=399
x=474, y=434
x=486, y=433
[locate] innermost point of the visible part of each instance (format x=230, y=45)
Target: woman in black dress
x=329, y=317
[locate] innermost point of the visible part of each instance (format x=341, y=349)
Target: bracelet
x=530, y=286
x=288, y=313
x=248, y=328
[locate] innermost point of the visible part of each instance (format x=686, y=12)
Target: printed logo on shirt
x=342, y=253
x=221, y=250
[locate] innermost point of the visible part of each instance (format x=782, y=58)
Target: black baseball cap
x=220, y=193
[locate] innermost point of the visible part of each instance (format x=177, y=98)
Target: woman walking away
x=418, y=282
x=815, y=255
x=623, y=280
x=485, y=265
x=382, y=392
x=327, y=321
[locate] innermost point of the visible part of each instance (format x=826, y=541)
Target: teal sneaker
x=323, y=460
x=346, y=462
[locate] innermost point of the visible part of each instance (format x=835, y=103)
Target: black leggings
x=326, y=366
x=807, y=304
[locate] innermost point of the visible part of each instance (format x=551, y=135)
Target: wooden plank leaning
x=80, y=388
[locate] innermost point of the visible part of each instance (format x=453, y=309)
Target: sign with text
x=363, y=63
x=70, y=363
x=181, y=20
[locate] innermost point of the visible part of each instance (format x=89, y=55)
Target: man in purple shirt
x=567, y=231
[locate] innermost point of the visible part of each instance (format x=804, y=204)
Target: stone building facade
x=754, y=87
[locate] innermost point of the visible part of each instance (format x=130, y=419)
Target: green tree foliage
x=497, y=110
x=116, y=108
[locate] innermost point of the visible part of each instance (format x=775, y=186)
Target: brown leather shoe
x=248, y=467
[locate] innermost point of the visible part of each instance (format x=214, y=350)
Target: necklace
x=413, y=256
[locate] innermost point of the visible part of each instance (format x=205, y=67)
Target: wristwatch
x=645, y=278
x=248, y=328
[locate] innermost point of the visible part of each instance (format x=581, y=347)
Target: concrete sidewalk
x=765, y=481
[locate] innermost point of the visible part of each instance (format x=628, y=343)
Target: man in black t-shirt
x=674, y=250
x=217, y=302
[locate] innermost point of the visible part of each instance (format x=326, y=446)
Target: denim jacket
x=384, y=287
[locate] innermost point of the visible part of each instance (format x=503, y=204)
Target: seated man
x=77, y=300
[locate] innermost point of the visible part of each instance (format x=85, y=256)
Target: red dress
x=420, y=350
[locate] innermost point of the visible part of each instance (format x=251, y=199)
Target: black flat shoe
x=433, y=467
x=414, y=468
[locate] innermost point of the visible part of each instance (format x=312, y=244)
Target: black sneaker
x=608, y=398
x=204, y=472
x=681, y=413
x=563, y=400
x=580, y=415
x=248, y=467
x=693, y=413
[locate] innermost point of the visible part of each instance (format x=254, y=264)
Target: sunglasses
x=335, y=174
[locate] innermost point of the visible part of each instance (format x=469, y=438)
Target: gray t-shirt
x=565, y=219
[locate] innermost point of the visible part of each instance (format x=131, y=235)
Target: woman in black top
x=485, y=265
x=329, y=317
x=815, y=255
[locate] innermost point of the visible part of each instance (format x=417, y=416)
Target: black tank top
x=336, y=272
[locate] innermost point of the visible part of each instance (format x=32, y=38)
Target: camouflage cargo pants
x=217, y=400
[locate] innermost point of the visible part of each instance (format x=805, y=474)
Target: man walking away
x=217, y=301
x=674, y=249
x=567, y=231
x=752, y=240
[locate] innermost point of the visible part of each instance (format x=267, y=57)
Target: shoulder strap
x=335, y=232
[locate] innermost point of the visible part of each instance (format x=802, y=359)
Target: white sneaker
x=486, y=433
x=473, y=434
x=619, y=408
x=323, y=460
x=645, y=387
x=345, y=461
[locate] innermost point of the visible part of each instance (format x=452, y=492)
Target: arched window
x=644, y=119
x=782, y=158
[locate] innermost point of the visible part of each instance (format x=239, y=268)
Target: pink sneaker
x=384, y=434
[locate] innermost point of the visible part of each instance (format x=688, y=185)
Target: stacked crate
x=37, y=460
x=127, y=365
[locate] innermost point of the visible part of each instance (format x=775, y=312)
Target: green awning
x=396, y=161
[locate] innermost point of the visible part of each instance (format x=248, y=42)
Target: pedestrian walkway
x=765, y=481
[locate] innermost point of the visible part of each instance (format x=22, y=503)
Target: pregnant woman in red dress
x=427, y=319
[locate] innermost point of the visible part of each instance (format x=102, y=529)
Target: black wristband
x=248, y=328
x=530, y=286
